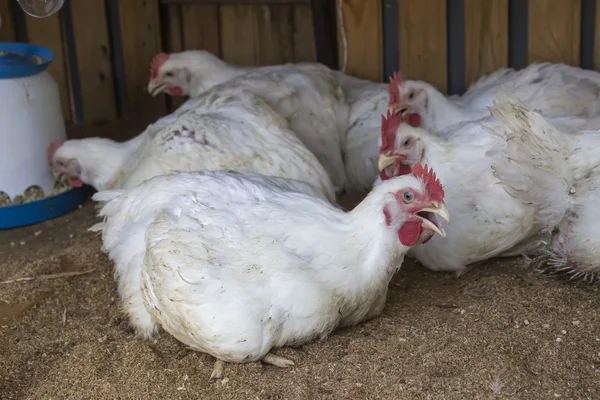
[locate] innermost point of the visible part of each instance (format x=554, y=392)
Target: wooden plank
x=423, y=52
x=174, y=38
x=93, y=59
x=174, y=43
x=486, y=37
x=363, y=26
x=275, y=34
x=234, y=1
x=8, y=30
x=47, y=32
x=140, y=35
x=554, y=29
x=304, y=36
x=201, y=28
x=239, y=34
x=597, y=39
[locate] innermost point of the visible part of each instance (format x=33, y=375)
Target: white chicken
x=236, y=265
x=226, y=128
x=490, y=222
x=193, y=72
x=557, y=175
x=306, y=94
x=553, y=89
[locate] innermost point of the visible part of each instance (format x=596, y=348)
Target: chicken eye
x=169, y=74
x=406, y=143
x=408, y=196
x=411, y=95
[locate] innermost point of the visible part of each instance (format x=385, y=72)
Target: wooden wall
x=553, y=25
x=249, y=34
x=241, y=34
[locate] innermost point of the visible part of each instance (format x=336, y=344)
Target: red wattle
x=409, y=233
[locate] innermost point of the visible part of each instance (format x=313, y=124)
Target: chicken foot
x=217, y=372
x=270, y=358
x=277, y=361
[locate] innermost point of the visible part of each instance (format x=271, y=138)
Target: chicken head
x=407, y=98
x=401, y=147
x=166, y=75
x=412, y=211
x=64, y=165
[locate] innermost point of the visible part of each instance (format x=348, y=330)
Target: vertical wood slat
x=423, y=52
x=47, y=32
x=363, y=27
x=486, y=37
x=140, y=35
x=275, y=34
x=8, y=30
x=261, y=34
x=201, y=27
x=554, y=31
x=173, y=42
x=94, y=60
x=303, y=35
x=239, y=34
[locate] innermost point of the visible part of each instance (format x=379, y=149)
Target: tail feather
x=533, y=165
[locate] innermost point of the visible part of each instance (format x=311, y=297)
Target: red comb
x=394, y=88
x=52, y=147
x=389, y=128
x=157, y=61
x=432, y=183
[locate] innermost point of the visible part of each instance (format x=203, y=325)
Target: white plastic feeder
x=30, y=117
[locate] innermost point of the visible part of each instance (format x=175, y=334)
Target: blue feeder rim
x=43, y=209
x=18, y=60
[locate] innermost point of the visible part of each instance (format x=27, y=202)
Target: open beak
x=386, y=160
x=155, y=87
x=402, y=108
x=431, y=223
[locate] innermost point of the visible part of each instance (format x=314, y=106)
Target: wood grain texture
x=304, y=45
x=201, y=27
x=239, y=34
x=47, y=32
x=486, y=37
x=275, y=34
x=140, y=35
x=8, y=31
x=173, y=42
x=363, y=26
x=423, y=50
x=554, y=31
x=94, y=60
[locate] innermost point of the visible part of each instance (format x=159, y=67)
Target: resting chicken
x=226, y=128
x=553, y=89
x=488, y=221
x=557, y=175
x=235, y=265
x=306, y=94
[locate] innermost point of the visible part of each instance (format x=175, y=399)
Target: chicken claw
x=277, y=361
x=217, y=372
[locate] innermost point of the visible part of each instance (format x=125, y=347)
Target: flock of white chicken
x=222, y=222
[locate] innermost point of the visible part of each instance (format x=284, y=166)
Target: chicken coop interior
x=499, y=329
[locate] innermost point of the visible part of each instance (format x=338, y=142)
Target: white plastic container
x=30, y=119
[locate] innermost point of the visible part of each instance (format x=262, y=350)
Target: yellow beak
x=155, y=87
x=438, y=209
x=386, y=160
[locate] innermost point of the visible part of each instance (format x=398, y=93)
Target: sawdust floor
x=501, y=331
